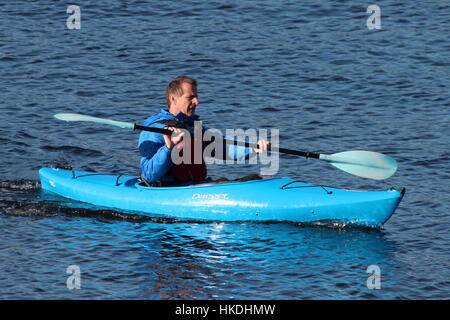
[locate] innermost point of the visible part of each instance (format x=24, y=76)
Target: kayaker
x=155, y=149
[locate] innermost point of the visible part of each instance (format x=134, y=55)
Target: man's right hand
x=175, y=138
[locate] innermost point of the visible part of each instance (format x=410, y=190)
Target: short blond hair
x=174, y=87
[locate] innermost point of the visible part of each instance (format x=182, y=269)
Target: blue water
x=309, y=68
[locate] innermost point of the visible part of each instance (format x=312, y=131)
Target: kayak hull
x=277, y=199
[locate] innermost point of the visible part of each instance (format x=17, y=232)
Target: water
x=311, y=69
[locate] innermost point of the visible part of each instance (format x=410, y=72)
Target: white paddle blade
x=366, y=164
x=81, y=117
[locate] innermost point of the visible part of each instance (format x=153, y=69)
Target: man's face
x=187, y=102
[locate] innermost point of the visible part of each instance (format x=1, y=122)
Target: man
x=155, y=149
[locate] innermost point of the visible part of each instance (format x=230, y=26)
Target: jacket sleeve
x=237, y=152
x=155, y=156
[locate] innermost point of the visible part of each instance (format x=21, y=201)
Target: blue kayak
x=276, y=199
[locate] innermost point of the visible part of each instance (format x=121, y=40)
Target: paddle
x=366, y=164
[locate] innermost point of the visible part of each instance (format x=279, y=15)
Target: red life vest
x=189, y=171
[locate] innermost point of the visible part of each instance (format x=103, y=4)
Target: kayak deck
x=276, y=199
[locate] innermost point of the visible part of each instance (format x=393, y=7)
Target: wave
x=73, y=149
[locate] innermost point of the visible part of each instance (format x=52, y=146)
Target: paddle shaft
x=366, y=164
x=239, y=143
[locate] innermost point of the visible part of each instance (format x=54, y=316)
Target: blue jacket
x=156, y=157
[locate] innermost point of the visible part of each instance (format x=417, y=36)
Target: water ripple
x=311, y=69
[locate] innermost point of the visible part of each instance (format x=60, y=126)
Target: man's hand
x=263, y=146
x=175, y=138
